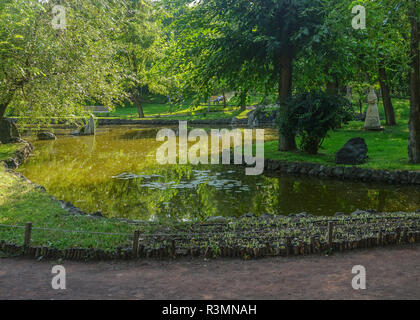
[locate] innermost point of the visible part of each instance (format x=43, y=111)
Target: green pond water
x=116, y=172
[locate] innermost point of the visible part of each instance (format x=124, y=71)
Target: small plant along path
x=391, y=273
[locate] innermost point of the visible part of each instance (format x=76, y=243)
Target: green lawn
x=157, y=107
x=178, y=113
x=387, y=149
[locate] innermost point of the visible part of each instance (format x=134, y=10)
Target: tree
x=414, y=124
x=137, y=49
x=48, y=73
x=249, y=44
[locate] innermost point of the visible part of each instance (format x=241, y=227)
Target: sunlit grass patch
x=7, y=151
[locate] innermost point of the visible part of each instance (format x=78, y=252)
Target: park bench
x=97, y=109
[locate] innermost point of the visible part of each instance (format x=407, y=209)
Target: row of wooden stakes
x=141, y=250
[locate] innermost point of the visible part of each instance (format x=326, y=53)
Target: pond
x=116, y=172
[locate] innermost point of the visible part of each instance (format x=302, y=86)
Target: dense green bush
x=311, y=115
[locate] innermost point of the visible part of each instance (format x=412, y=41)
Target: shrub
x=311, y=115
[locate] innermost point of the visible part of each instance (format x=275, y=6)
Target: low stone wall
x=343, y=173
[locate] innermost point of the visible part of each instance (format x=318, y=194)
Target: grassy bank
x=21, y=202
x=387, y=149
x=7, y=151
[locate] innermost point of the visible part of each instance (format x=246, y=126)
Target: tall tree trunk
x=5, y=103
x=414, y=124
x=332, y=85
x=286, y=142
x=242, y=99
x=138, y=104
x=3, y=108
x=224, y=101
x=386, y=96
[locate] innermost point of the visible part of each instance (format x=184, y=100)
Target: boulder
x=218, y=219
x=46, y=136
x=353, y=152
x=8, y=131
x=358, y=212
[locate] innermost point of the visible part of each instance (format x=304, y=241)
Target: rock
x=97, y=214
x=300, y=215
x=234, y=121
x=358, y=213
x=266, y=216
x=339, y=214
x=218, y=219
x=75, y=133
x=21, y=155
x=418, y=211
x=39, y=187
x=46, y=136
x=249, y=215
x=353, y=152
x=8, y=131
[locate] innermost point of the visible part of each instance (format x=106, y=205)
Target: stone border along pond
x=245, y=237
x=344, y=173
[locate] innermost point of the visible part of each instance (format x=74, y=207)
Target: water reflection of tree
x=80, y=169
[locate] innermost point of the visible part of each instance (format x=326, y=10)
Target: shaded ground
x=392, y=273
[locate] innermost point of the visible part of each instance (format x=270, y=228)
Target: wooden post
x=405, y=235
x=173, y=248
x=136, y=243
x=380, y=240
x=312, y=246
x=28, y=232
x=330, y=233
x=288, y=246
x=398, y=235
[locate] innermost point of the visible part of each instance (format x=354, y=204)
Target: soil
x=391, y=273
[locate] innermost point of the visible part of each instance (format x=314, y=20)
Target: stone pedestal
x=372, y=121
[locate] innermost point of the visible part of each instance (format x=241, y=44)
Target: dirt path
x=392, y=273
